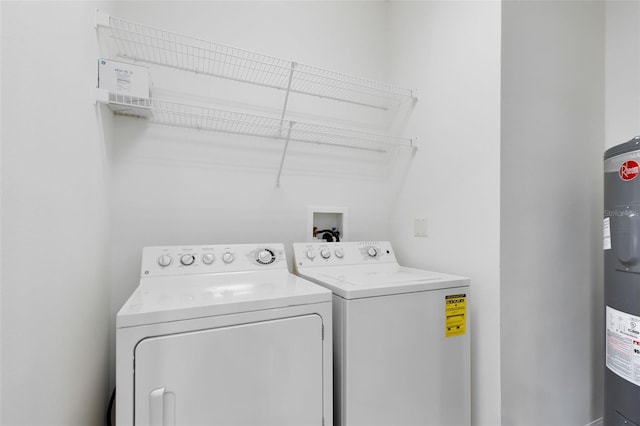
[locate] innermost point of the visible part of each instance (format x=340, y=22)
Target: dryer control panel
x=189, y=260
x=322, y=253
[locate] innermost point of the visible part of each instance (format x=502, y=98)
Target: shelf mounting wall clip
x=102, y=19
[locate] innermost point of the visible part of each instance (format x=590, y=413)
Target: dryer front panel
x=257, y=374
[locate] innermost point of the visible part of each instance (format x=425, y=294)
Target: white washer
x=223, y=335
x=400, y=336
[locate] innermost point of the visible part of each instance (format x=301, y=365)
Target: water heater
x=622, y=283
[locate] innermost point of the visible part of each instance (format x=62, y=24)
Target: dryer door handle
x=161, y=414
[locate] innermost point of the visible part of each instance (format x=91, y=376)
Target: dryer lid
x=174, y=298
x=353, y=282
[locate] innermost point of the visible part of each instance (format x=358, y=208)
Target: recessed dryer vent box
x=123, y=78
x=327, y=218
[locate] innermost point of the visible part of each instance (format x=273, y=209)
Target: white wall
x=622, y=72
x=55, y=298
x=551, y=210
x=450, y=51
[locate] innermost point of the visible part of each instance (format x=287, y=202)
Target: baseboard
x=596, y=422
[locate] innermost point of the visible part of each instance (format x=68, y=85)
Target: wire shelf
x=218, y=120
x=143, y=43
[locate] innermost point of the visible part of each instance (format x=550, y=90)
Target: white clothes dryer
x=400, y=336
x=223, y=335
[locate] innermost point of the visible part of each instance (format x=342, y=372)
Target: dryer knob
x=227, y=257
x=266, y=257
x=372, y=252
x=339, y=253
x=311, y=254
x=208, y=258
x=165, y=260
x=187, y=259
x=325, y=253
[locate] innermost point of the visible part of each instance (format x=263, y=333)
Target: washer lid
x=173, y=298
x=354, y=282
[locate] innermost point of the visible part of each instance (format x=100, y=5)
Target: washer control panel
x=342, y=253
x=188, y=260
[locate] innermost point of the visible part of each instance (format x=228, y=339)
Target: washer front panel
x=396, y=366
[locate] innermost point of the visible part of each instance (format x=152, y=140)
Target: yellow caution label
x=455, y=311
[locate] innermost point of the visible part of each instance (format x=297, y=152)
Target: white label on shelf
x=606, y=232
x=623, y=345
x=123, y=78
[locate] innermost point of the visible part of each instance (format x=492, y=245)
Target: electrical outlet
x=420, y=227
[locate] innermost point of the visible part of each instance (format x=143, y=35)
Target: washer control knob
x=311, y=254
x=227, y=257
x=208, y=258
x=265, y=257
x=187, y=259
x=165, y=260
x=339, y=253
x=372, y=252
x=325, y=253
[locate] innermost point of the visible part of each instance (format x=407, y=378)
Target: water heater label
x=606, y=233
x=623, y=345
x=629, y=170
